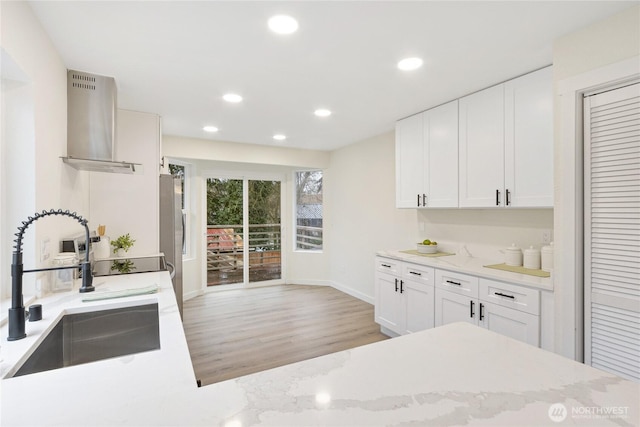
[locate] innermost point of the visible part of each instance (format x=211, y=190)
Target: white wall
x=129, y=203
x=54, y=185
x=360, y=195
x=579, y=57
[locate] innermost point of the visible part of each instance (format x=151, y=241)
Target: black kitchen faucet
x=17, y=315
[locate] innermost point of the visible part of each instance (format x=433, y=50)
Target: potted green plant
x=122, y=244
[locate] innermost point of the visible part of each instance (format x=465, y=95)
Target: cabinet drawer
x=512, y=296
x=418, y=273
x=456, y=282
x=388, y=265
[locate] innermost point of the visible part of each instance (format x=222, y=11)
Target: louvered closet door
x=612, y=231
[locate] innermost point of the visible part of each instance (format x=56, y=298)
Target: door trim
x=568, y=211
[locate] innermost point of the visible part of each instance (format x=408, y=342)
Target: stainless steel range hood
x=91, y=124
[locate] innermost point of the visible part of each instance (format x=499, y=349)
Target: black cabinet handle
x=504, y=295
x=386, y=265
x=481, y=313
x=396, y=285
x=454, y=283
x=415, y=273
x=508, y=198
x=497, y=197
x=471, y=313
x=418, y=199
x=424, y=199
x=401, y=288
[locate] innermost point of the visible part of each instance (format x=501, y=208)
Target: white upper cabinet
x=506, y=144
x=427, y=158
x=409, y=161
x=441, y=146
x=481, y=144
x=529, y=140
x=493, y=148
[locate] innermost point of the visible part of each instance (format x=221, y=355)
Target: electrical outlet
x=546, y=237
x=45, y=249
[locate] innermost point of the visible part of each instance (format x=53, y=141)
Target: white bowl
x=427, y=249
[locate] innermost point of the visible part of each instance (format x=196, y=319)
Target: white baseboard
x=339, y=286
x=309, y=282
x=353, y=292
x=192, y=294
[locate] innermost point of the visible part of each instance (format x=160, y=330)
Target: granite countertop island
x=457, y=374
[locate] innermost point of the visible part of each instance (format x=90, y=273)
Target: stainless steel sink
x=88, y=337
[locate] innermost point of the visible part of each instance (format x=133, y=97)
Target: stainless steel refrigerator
x=172, y=228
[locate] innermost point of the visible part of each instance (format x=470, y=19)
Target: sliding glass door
x=243, y=240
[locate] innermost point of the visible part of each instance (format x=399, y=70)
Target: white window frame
x=294, y=214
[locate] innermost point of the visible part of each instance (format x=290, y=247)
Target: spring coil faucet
x=17, y=311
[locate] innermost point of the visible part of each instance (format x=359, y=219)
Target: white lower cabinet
x=521, y=326
x=451, y=307
x=404, y=296
x=389, y=312
x=411, y=297
x=503, y=308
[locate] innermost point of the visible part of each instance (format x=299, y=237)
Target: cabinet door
x=450, y=308
x=521, y=326
x=389, y=309
x=419, y=300
x=441, y=145
x=409, y=162
x=481, y=159
x=529, y=140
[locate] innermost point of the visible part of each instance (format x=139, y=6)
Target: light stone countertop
x=457, y=374
x=473, y=266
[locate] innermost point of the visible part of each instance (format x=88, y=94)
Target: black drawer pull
x=385, y=265
x=416, y=273
x=401, y=288
x=396, y=285
x=471, y=314
x=481, y=313
x=418, y=200
x=424, y=200
x=504, y=295
x=454, y=283
x=508, y=198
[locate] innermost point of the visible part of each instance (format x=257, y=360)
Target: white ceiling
x=178, y=58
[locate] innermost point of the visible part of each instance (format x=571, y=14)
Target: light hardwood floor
x=239, y=332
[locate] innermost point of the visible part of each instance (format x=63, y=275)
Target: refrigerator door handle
x=172, y=269
x=184, y=226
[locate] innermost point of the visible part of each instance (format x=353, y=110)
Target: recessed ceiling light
x=279, y=137
x=210, y=129
x=322, y=112
x=283, y=24
x=232, y=97
x=409, y=64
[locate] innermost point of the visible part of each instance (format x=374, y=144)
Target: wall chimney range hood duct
x=91, y=124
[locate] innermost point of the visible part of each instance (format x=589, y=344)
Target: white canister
x=513, y=256
x=62, y=280
x=532, y=258
x=102, y=248
x=546, y=255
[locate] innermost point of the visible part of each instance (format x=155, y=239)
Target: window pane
x=309, y=210
x=178, y=171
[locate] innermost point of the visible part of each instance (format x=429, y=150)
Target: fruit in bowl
x=428, y=247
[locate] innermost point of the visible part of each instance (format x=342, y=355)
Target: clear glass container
x=62, y=280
